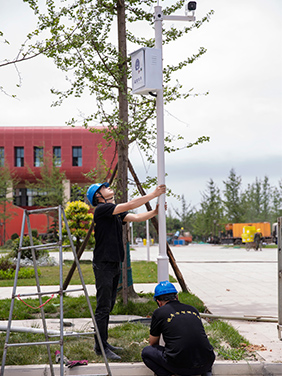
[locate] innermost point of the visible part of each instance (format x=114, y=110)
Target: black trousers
x=107, y=277
x=154, y=358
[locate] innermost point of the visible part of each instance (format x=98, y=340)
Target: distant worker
x=187, y=350
x=176, y=235
x=109, y=251
x=257, y=239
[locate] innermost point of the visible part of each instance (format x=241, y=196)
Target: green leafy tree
x=257, y=199
x=80, y=41
x=172, y=224
x=49, y=186
x=276, y=202
x=233, y=201
x=8, y=181
x=79, y=220
x=186, y=215
x=79, y=38
x=253, y=201
x=199, y=231
x=211, y=210
x=48, y=189
x=266, y=200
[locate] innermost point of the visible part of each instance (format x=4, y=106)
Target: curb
x=139, y=369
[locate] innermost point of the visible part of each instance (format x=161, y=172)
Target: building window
x=38, y=156
x=57, y=156
x=19, y=156
x=20, y=197
x=27, y=197
x=2, y=159
x=77, y=156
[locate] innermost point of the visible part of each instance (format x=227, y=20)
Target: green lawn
x=142, y=272
x=228, y=343
x=133, y=337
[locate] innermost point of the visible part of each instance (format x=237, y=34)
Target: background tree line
x=259, y=202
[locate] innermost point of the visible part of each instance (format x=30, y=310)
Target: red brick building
x=76, y=151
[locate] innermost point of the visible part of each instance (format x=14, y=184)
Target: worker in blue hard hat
x=93, y=192
x=109, y=251
x=186, y=350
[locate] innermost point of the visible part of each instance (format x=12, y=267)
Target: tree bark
x=122, y=176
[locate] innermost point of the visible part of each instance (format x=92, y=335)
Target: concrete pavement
x=139, y=369
x=233, y=282
x=230, y=281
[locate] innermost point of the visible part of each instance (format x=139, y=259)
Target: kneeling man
x=187, y=350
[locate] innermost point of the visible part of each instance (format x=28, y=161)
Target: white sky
x=242, y=70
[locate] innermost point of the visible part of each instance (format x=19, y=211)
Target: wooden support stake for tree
x=85, y=242
x=155, y=224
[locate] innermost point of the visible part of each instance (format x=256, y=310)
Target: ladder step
x=32, y=343
x=45, y=246
x=72, y=290
x=40, y=246
x=48, y=292
x=45, y=210
x=41, y=293
x=71, y=334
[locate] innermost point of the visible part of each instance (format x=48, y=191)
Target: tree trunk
x=122, y=176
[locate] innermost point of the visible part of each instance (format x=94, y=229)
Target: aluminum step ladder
x=60, y=292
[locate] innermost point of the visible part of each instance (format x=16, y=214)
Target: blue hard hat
x=163, y=288
x=94, y=188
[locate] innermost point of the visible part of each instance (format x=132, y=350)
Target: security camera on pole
x=147, y=78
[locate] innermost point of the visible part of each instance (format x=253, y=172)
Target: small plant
x=7, y=274
x=24, y=273
x=14, y=236
x=34, y=233
x=8, y=270
x=6, y=263
x=79, y=220
x=26, y=253
x=8, y=244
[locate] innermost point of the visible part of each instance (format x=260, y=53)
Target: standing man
x=257, y=239
x=187, y=350
x=109, y=251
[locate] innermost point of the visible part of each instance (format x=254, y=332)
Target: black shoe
x=114, y=348
x=109, y=354
x=207, y=374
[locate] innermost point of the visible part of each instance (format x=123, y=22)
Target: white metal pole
x=131, y=227
x=148, y=240
x=162, y=257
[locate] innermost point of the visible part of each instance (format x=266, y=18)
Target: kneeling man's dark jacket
x=186, y=343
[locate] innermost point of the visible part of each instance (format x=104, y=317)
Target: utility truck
x=233, y=232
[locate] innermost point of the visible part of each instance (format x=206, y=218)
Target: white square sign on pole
x=138, y=70
x=146, y=70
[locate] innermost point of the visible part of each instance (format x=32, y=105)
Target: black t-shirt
x=186, y=343
x=108, y=234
